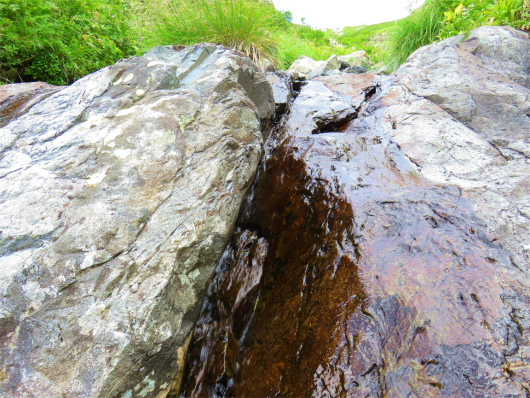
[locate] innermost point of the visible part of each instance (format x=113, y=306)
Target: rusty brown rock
x=377, y=281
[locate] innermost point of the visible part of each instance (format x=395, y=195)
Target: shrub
x=62, y=40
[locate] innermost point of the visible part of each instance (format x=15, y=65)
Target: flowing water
x=350, y=275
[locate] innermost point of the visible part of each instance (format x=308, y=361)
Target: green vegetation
x=370, y=38
x=246, y=26
x=61, y=40
x=294, y=40
x=440, y=19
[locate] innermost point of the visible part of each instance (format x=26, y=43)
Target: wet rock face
x=483, y=81
x=327, y=109
x=118, y=195
x=376, y=277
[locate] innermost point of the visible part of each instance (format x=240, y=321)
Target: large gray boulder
x=118, y=195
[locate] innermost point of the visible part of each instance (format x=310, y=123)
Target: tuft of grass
x=419, y=29
x=254, y=27
x=244, y=25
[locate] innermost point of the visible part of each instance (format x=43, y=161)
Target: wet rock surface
x=118, y=195
x=326, y=109
x=483, y=81
x=282, y=89
x=366, y=262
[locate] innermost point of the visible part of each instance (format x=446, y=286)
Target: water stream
x=350, y=275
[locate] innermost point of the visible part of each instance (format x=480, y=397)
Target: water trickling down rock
x=366, y=263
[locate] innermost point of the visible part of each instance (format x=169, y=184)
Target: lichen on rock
x=118, y=195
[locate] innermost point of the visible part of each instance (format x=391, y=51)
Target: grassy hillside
x=370, y=38
x=359, y=35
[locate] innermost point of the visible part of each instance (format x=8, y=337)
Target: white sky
x=334, y=14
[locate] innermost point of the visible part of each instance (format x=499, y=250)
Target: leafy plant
x=59, y=41
x=451, y=15
x=508, y=12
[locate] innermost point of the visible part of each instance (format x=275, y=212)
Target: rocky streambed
x=382, y=250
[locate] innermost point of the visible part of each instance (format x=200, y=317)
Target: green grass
x=422, y=27
x=244, y=25
x=370, y=38
x=296, y=40
x=59, y=41
x=254, y=27
x=439, y=19
x=359, y=35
